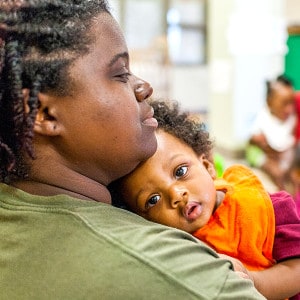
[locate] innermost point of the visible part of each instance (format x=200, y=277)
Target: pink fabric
x=287, y=230
x=297, y=102
x=297, y=200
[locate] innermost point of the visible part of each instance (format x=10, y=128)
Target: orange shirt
x=243, y=226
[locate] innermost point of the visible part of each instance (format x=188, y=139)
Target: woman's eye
x=181, y=171
x=124, y=77
x=152, y=201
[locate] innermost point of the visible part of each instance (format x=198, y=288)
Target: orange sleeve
x=243, y=226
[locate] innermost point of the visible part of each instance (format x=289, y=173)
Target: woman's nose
x=142, y=90
x=178, y=196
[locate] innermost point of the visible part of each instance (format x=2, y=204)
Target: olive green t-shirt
x=64, y=248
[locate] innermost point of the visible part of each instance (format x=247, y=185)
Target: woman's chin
x=148, y=150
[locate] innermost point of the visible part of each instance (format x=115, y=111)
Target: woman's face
x=106, y=126
x=174, y=187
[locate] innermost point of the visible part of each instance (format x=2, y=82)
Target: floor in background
x=269, y=185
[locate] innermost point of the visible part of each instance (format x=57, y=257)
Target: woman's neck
x=90, y=191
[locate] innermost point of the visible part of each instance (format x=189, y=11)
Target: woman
x=73, y=119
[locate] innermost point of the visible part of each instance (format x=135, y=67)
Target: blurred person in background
x=272, y=136
x=295, y=168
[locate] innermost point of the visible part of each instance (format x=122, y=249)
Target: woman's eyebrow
x=124, y=55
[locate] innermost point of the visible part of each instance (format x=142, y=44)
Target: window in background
x=177, y=25
x=143, y=22
x=186, y=32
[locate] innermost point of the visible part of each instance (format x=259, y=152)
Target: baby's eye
x=152, y=201
x=181, y=171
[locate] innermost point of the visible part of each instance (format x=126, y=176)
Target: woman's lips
x=192, y=211
x=150, y=120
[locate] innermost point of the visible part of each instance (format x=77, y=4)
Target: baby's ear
x=209, y=165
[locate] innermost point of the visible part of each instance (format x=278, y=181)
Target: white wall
x=190, y=87
x=292, y=11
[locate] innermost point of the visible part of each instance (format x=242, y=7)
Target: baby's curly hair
x=181, y=125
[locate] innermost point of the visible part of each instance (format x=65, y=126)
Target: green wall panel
x=292, y=60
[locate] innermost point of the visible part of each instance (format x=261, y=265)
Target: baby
x=235, y=215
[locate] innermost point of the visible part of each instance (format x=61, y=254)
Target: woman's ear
x=209, y=165
x=45, y=120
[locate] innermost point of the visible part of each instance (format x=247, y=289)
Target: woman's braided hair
x=39, y=39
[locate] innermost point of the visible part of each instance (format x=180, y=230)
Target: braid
x=39, y=39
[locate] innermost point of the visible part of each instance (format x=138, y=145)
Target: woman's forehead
x=107, y=45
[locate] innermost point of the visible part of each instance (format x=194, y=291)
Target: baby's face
x=282, y=102
x=174, y=187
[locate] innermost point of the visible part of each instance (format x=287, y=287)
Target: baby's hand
x=239, y=268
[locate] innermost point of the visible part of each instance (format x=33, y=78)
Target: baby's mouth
x=192, y=211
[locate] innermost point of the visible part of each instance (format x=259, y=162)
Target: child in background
x=295, y=178
x=272, y=139
x=178, y=187
x=295, y=169
x=297, y=109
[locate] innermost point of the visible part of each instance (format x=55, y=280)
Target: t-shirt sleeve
x=159, y=262
x=287, y=231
